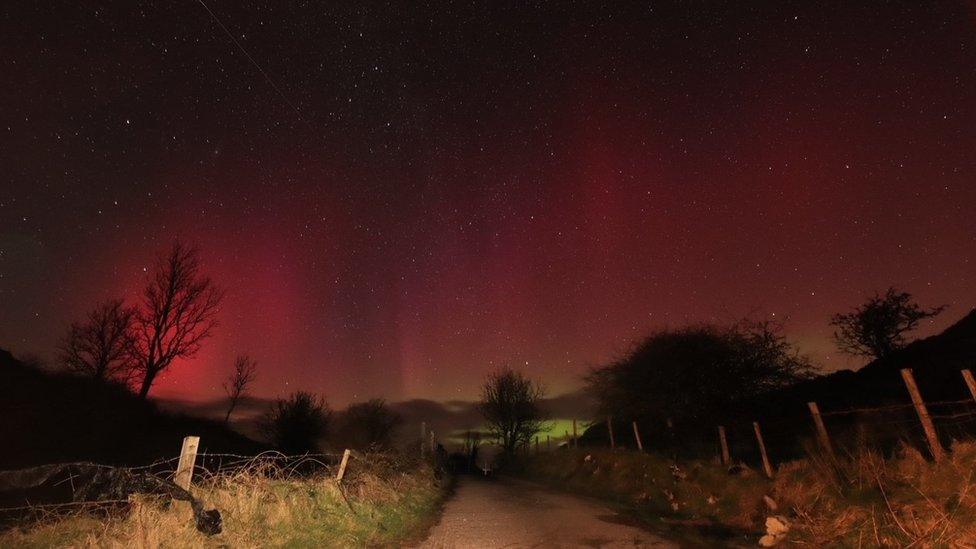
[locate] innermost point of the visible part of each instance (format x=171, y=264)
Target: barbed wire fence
x=201, y=470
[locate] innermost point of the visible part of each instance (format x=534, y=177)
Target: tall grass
x=866, y=499
x=379, y=503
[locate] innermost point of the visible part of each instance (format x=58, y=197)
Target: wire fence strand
x=208, y=467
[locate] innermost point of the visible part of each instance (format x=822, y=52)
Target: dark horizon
x=399, y=201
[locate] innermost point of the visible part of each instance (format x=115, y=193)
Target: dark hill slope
x=49, y=418
x=935, y=361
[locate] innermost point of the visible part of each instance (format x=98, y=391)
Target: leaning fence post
x=923, y=414
x=613, y=444
x=342, y=465
x=423, y=438
x=672, y=439
x=433, y=443
x=188, y=459
x=970, y=382
x=821, y=429
x=724, y=445
x=637, y=439
x=767, y=467
x=575, y=442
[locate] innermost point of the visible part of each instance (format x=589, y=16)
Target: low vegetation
x=864, y=500
x=379, y=503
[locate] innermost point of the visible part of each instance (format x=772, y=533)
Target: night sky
x=401, y=197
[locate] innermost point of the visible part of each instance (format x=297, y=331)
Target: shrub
x=298, y=424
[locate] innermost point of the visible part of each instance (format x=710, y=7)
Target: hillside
x=48, y=417
x=936, y=362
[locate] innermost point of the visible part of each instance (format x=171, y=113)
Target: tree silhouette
x=296, y=425
x=236, y=385
x=101, y=347
x=878, y=327
x=369, y=425
x=696, y=373
x=510, y=406
x=178, y=311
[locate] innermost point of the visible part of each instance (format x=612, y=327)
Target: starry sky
x=400, y=197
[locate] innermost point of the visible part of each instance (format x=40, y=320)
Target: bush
x=298, y=424
x=697, y=372
x=368, y=425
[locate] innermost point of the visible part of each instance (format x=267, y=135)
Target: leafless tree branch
x=179, y=308
x=236, y=385
x=102, y=346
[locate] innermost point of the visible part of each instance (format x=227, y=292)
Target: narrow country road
x=505, y=513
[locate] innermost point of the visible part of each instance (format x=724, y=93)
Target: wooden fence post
x=672, y=439
x=342, y=465
x=923, y=414
x=423, y=438
x=724, y=444
x=188, y=459
x=640, y=446
x=968, y=377
x=537, y=445
x=767, y=467
x=548, y=443
x=613, y=444
x=575, y=443
x=433, y=443
x=821, y=429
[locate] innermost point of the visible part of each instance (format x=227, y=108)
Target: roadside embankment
x=860, y=500
x=378, y=503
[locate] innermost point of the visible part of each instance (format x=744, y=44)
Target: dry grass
x=863, y=500
x=870, y=501
x=380, y=503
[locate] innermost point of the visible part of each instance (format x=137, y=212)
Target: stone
x=777, y=526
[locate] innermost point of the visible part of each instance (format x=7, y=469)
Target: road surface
x=514, y=514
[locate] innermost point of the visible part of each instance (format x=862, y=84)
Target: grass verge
x=863, y=500
x=376, y=506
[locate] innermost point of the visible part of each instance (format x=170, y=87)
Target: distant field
x=562, y=429
x=558, y=430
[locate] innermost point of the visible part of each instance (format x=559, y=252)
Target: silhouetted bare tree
x=878, y=327
x=296, y=425
x=236, y=385
x=102, y=346
x=510, y=406
x=369, y=425
x=178, y=311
